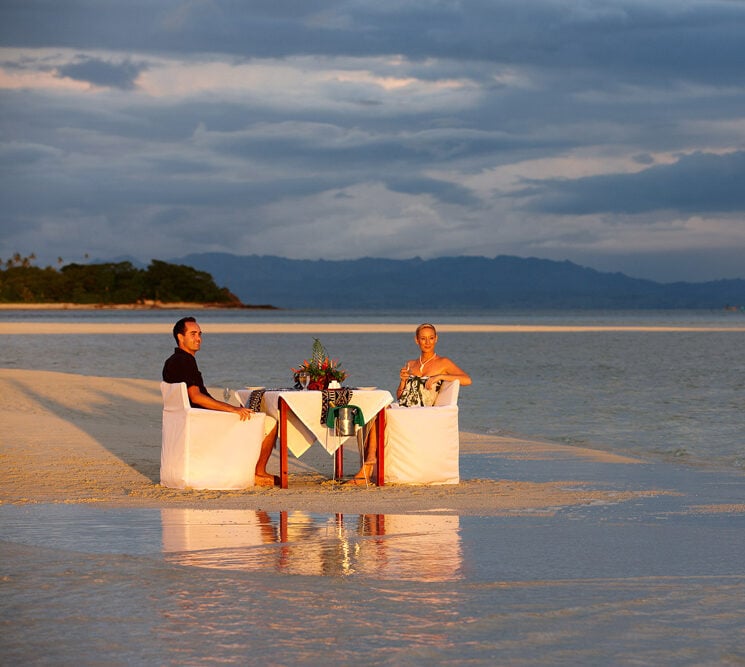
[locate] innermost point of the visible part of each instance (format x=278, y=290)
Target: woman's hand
x=432, y=381
x=403, y=374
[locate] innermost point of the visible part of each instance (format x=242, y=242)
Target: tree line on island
x=460, y=283
x=112, y=283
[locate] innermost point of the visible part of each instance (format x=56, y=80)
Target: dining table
x=302, y=422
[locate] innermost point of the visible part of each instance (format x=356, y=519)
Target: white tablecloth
x=304, y=418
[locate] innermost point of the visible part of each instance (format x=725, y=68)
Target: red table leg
x=380, y=417
x=283, y=558
x=282, y=443
x=283, y=526
x=339, y=463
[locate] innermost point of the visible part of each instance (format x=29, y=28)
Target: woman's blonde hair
x=426, y=325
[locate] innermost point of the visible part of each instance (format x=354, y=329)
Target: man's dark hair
x=180, y=326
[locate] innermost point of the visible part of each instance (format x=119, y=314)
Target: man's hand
x=244, y=413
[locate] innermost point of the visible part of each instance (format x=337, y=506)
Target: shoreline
x=543, y=554
x=145, y=305
x=36, y=327
x=86, y=439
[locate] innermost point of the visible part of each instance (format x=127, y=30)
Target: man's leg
x=263, y=478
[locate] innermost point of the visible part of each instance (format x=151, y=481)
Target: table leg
x=380, y=420
x=283, y=526
x=282, y=443
x=339, y=463
x=283, y=559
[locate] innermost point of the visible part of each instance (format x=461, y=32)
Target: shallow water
x=674, y=395
x=627, y=584
x=638, y=583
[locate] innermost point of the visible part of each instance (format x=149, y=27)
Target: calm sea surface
x=661, y=394
x=630, y=584
x=647, y=582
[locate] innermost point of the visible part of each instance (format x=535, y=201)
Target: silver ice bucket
x=345, y=420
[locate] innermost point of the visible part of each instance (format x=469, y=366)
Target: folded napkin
x=254, y=400
x=359, y=418
x=414, y=393
x=331, y=398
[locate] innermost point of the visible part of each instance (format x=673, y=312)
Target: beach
x=544, y=553
x=84, y=439
x=21, y=328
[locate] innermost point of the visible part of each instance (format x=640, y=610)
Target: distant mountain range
x=467, y=283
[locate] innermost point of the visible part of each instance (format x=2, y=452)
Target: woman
x=420, y=379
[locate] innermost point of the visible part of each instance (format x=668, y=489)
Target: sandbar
x=70, y=438
x=22, y=327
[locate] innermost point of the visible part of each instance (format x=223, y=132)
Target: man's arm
x=209, y=403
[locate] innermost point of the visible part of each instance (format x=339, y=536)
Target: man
x=181, y=366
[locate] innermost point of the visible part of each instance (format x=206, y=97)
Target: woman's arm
x=448, y=370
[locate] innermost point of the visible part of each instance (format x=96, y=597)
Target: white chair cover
x=206, y=449
x=422, y=444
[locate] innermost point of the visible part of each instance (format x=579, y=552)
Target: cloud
x=686, y=39
x=592, y=131
x=699, y=183
x=446, y=192
x=104, y=73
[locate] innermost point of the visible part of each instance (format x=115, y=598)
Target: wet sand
x=28, y=328
x=557, y=554
x=80, y=439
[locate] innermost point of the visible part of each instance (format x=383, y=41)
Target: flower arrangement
x=321, y=368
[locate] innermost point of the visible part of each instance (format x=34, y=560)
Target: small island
x=115, y=285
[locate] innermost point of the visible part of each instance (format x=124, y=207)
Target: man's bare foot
x=265, y=480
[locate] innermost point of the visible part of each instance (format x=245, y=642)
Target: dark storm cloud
x=449, y=193
x=635, y=40
x=329, y=147
x=100, y=72
x=370, y=120
x=695, y=184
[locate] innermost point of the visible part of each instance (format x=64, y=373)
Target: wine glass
x=304, y=380
x=226, y=394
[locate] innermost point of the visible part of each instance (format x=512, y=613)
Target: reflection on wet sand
x=383, y=546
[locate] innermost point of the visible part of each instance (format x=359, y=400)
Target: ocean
x=660, y=394
x=627, y=584
x=657, y=580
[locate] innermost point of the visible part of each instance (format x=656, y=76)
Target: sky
x=607, y=133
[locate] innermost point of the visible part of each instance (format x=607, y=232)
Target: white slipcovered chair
x=422, y=444
x=206, y=449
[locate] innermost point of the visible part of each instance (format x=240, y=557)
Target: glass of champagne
x=304, y=379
